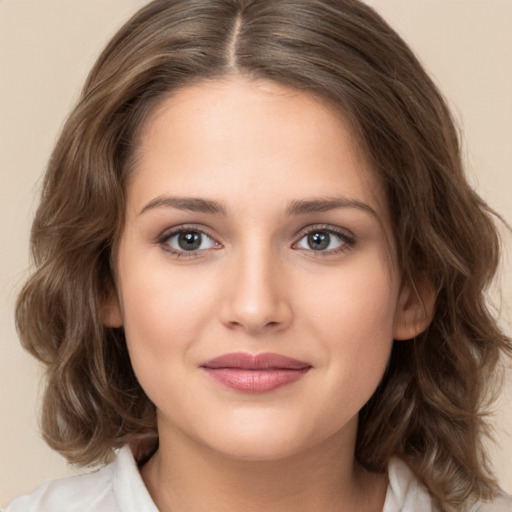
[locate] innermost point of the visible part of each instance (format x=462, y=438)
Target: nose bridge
x=256, y=298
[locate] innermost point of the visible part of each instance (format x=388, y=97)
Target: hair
x=430, y=407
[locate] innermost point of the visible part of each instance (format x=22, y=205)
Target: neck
x=184, y=476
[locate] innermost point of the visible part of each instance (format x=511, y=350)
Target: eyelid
x=169, y=233
x=344, y=234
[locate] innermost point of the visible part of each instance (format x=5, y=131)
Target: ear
x=415, y=309
x=112, y=316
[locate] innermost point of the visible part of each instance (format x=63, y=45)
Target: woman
x=257, y=272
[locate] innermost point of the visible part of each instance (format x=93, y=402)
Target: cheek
x=353, y=316
x=156, y=297
x=356, y=299
x=164, y=313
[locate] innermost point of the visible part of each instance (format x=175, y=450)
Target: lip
x=255, y=373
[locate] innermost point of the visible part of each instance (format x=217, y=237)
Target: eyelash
x=164, y=239
x=346, y=239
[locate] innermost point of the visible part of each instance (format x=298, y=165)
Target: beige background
x=47, y=46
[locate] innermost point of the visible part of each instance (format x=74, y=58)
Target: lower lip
x=256, y=381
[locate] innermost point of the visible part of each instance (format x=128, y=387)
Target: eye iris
x=319, y=241
x=189, y=240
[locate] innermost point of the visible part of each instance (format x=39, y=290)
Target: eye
x=188, y=240
x=324, y=240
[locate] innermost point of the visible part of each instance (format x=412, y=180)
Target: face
x=256, y=276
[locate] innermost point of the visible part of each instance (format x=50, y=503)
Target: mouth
x=255, y=373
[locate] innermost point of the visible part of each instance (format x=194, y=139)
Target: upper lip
x=247, y=361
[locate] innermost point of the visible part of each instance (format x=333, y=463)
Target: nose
x=256, y=298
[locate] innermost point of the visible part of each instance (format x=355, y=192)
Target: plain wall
x=46, y=49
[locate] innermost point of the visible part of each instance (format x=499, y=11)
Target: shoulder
x=407, y=494
x=82, y=493
x=114, y=488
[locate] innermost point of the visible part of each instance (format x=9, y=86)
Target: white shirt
x=118, y=487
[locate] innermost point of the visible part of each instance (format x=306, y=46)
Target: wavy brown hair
x=429, y=408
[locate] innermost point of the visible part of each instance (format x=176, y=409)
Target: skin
x=256, y=285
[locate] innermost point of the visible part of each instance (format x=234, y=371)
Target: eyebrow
x=298, y=207
x=193, y=204
x=305, y=206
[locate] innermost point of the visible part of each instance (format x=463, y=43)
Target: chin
x=259, y=450
x=257, y=442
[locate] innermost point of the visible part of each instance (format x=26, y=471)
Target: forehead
x=256, y=136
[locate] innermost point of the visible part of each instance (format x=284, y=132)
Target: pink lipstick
x=255, y=373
